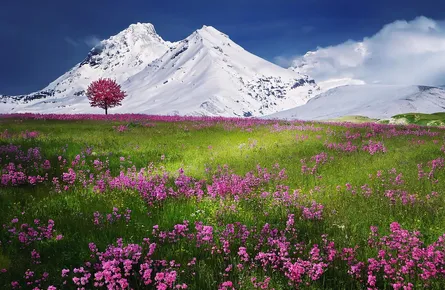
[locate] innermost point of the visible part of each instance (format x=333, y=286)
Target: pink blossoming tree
x=105, y=94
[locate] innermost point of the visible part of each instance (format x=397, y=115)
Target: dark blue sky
x=40, y=40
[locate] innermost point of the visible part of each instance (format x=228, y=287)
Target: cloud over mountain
x=402, y=52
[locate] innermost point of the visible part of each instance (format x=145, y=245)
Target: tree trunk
x=106, y=111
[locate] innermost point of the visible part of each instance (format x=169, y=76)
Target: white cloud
x=284, y=61
x=402, y=52
x=91, y=41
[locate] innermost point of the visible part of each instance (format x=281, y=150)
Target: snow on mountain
x=374, y=101
x=204, y=74
x=333, y=83
x=119, y=57
x=209, y=74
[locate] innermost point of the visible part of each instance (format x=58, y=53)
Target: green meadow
x=358, y=185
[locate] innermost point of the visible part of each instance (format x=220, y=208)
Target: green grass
x=435, y=119
x=347, y=217
x=354, y=119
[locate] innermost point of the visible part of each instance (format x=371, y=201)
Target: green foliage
x=435, y=119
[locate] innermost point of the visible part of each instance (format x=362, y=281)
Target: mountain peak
x=134, y=32
x=138, y=36
x=206, y=31
x=141, y=28
x=132, y=47
x=208, y=27
x=144, y=31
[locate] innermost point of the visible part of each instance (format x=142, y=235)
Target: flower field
x=157, y=202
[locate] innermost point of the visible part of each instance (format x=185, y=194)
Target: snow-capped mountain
x=119, y=57
x=374, y=101
x=206, y=73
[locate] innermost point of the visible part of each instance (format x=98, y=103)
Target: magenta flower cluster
x=115, y=216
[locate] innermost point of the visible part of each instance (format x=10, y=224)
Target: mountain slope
x=119, y=57
x=373, y=101
x=204, y=74
x=207, y=73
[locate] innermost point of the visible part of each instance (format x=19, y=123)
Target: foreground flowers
x=402, y=261
x=146, y=216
